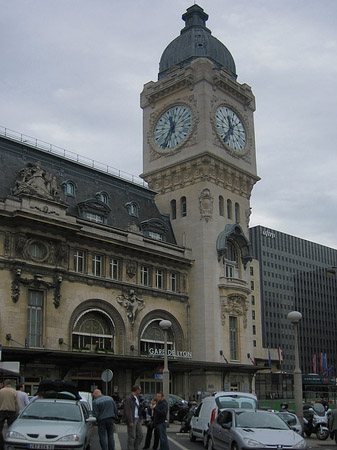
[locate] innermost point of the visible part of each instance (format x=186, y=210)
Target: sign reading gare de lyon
x=170, y=353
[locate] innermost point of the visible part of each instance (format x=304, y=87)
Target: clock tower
x=199, y=155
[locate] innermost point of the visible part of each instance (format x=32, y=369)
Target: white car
x=251, y=430
x=56, y=419
x=209, y=408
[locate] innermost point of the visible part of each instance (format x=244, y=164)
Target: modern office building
x=296, y=274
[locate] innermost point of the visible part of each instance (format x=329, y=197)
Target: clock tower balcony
x=233, y=284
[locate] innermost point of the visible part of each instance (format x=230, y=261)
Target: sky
x=72, y=72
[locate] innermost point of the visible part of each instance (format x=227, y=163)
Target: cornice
x=200, y=169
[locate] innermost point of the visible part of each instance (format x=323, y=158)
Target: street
x=181, y=441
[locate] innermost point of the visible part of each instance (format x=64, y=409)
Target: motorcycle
x=315, y=421
x=186, y=422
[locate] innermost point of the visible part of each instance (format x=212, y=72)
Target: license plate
x=41, y=446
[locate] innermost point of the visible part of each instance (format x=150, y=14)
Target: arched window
x=93, y=330
x=152, y=339
x=237, y=212
x=221, y=206
x=229, y=209
x=69, y=188
x=132, y=208
x=231, y=266
x=173, y=209
x=103, y=197
x=183, y=207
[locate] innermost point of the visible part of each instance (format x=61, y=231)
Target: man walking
x=105, y=411
x=160, y=420
x=22, y=396
x=132, y=417
x=9, y=407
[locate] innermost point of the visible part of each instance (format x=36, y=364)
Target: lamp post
x=295, y=317
x=165, y=325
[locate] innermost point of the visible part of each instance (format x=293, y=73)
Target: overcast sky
x=72, y=71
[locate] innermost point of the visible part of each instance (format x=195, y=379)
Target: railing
x=71, y=156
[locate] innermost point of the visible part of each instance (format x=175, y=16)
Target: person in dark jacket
x=132, y=418
x=160, y=420
x=105, y=411
x=149, y=414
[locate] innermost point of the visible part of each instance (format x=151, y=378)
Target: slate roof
x=88, y=182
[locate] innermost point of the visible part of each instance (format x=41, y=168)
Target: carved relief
x=33, y=180
x=131, y=269
x=248, y=213
x=7, y=242
x=206, y=204
x=36, y=282
x=132, y=304
x=199, y=170
x=234, y=305
x=41, y=251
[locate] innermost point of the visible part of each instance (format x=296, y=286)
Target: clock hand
x=168, y=136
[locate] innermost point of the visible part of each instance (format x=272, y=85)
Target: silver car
x=252, y=429
x=49, y=424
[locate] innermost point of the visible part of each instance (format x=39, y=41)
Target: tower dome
x=195, y=41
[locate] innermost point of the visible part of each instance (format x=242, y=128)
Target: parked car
x=292, y=420
x=210, y=406
x=251, y=429
x=58, y=420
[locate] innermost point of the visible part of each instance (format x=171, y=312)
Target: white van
x=208, y=409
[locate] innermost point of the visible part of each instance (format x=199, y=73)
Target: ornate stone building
x=91, y=263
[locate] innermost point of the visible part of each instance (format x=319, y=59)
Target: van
x=209, y=408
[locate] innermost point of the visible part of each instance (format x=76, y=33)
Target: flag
x=325, y=364
x=331, y=371
x=314, y=363
x=280, y=355
x=321, y=363
x=269, y=359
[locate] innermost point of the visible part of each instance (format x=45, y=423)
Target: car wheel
x=235, y=446
x=210, y=445
x=192, y=437
x=206, y=438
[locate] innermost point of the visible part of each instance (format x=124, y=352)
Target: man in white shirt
x=22, y=396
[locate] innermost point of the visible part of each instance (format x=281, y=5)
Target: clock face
x=173, y=127
x=230, y=129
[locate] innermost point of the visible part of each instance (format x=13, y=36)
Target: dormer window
x=155, y=229
x=103, y=197
x=94, y=210
x=69, y=188
x=132, y=208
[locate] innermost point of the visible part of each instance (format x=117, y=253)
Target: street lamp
x=165, y=325
x=295, y=317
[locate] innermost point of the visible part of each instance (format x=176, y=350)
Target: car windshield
x=260, y=419
x=52, y=411
x=288, y=418
x=236, y=401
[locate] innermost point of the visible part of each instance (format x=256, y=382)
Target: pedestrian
x=333, y=424
x=9, y=407
x=105, y=411
x=22, y=396
x=160, y=420
x=149, y=413
x=132, y=417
